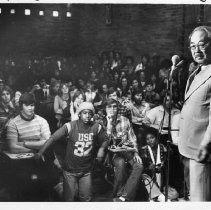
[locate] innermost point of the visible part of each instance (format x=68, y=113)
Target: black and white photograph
x=105, y=102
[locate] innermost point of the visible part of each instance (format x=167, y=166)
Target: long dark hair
x=8, y=89
x=60, y=88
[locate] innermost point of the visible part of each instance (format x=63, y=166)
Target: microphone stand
x=169, y=92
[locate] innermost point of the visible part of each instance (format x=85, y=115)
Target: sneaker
x=162, y=198
x=119, y=199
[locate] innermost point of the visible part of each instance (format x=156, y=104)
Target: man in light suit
x=195, y=122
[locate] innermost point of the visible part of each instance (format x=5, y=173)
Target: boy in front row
x=83, y=137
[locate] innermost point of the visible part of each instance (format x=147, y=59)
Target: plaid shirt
x=124, y=111
x=123, y=127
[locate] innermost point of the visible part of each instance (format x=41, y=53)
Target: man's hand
x=109, y=118
x=152, y=167
x=109, y=123
x=56, y=163
x=137, y=158
x=98, y=103
x=64, y=105
x=204, y=153
x=100, y=154
x=158, y=168
x=99, y=159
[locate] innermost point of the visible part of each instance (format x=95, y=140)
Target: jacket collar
x=198, y=81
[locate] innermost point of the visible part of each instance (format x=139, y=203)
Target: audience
x=136, y=89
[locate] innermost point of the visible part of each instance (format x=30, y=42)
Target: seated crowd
x=118, y=116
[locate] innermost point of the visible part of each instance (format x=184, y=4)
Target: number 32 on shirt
x=83, y=146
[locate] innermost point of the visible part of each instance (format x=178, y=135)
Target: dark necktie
x=191, y=78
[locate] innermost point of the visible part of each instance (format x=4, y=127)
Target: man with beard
x=138, y=108
x=151, y=96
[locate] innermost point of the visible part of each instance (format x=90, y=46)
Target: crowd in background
x=107, y=65
x=61, y=84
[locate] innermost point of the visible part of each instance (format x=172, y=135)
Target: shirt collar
x=25, y=118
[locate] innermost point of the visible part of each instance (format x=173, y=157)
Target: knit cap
x=86, y=105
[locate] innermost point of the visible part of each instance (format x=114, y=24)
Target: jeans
x=123, y=186
x=77, y=184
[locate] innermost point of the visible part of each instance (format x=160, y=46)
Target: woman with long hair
x=135, y=85
x=124, y=86
x=62, y=104
x=77, y=99
x=7, y=111
x=90, y=91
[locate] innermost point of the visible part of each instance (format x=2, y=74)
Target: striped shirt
x=35, y=130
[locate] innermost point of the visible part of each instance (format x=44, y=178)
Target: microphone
x=175, y=60
x=176, y=63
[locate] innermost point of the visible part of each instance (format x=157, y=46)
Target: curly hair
x=8, y=89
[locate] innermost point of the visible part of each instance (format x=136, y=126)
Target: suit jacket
x=195, y=121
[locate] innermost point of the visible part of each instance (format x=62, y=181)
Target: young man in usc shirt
x=83, y=137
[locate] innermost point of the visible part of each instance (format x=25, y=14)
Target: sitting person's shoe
x=119, y=199
x=161, y=198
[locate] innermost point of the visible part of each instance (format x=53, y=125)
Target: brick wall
x=135, y=29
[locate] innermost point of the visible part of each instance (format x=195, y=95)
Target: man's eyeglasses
x=201, y=46
x=111, y=106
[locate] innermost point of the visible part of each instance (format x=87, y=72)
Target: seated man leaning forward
x=125, y=150
x=83, y=138
x=27, y=132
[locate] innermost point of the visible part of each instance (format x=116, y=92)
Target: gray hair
x=205, y=29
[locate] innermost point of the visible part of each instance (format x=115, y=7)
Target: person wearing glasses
x=195, y=120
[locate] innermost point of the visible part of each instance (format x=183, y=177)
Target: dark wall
x=134, y=29
x=36, y=34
